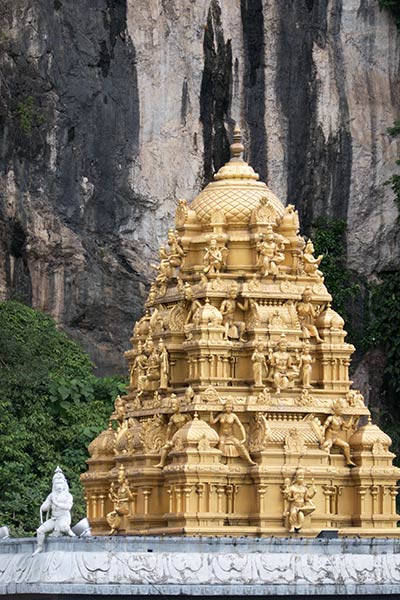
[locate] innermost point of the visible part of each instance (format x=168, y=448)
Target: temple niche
x=239, y=417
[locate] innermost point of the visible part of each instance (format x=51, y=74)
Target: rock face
x=105, y=111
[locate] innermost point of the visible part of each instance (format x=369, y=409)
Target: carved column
x=102, y=498
x=93, y=503
x=261, y=491
x=229, y=498
x=133, y=502
x=374, y=490
x=328, y=491
x=362, y=490
x=186, y=489
x=220, y=489
x=178, y=496
x=146, y=494
x=393, y=494
x=199, y=491
x=170, y=492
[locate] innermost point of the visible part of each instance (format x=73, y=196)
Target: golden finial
x=237, y=147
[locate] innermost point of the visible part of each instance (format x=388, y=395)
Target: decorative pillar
x=146, y=493
x=102, y=498
x=199, y=491
x=261, y=490
x=93, y=502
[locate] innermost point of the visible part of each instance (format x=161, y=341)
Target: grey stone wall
x=110, y=110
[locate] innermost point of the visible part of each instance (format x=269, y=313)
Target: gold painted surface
x=239, y=417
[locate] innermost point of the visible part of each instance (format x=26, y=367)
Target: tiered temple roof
x=239, y=417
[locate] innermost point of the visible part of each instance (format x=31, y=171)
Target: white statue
x=58, y=506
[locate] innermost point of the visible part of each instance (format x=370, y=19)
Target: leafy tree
x=51, y=407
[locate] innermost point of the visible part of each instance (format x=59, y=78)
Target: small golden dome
x=208, y=315
x=367, y=435
x=235, y=190
x=103, y=445
x=195, y=431
x=330, y=319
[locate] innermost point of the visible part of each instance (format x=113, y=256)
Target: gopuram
x=239, y=417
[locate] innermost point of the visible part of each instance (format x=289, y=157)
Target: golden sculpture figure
x=164, y=364
x=175, y=253
x=233, y=329
x=214, y=257
x=333, y=428
x=191, y=303
x=310, y=263
x=269, y=253
x=176, y=421
x=283, y=367
x=229, y=444
x=299, y=498
x=252, y=347
x=306, y=361
x=121, y=499
x=307, y=315
x=259, y=364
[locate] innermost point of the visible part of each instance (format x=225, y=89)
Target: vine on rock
x=394, y=180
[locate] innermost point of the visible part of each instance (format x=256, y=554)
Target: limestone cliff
x=111, y=110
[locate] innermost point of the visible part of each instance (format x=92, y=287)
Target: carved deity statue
x=229, y=444
x=259, y=433
x=259, y=364
x=307, y=314
x=306, y=361
x=333, y=429
x=138, y=377
x=310, y=263
x=153, y=361
x=270, y=252
x=164, y=268
x=283, y=367
x=176, y=421
x=182, y=212
x=58, y=506
x=119, y=413
x=175, y=252
x=190, y=303
x=120, y=499
x=214, y=257
x=164, y=364
x=299, y=499
x=233, y=329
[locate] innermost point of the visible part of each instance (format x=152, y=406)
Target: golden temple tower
x=239, y=417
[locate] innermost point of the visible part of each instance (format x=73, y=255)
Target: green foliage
x=28, y=114
x=385, y=326
x=52, y=406
x=383, y=331
x=329, y=240
x=394, y=180
x=393, y=6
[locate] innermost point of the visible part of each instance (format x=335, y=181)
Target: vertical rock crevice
x=215, y=93
x=254, y=84
x=319, y=166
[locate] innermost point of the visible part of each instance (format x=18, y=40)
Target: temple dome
x=194, y=431
x=235, y=191
x=365, y=437
x=103, y=445
x=208, y=314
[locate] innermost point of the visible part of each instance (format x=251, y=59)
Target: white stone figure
x=58, y=506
